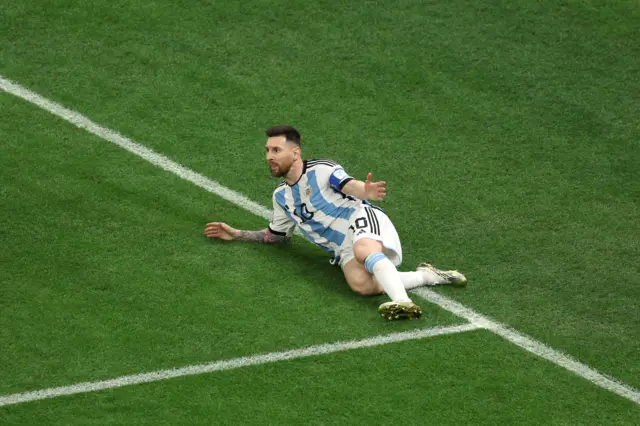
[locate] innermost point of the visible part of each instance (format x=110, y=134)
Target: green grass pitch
x=508, y=133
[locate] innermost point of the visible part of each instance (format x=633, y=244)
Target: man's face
x=280, y=155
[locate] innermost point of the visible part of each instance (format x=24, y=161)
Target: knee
x=363, y=248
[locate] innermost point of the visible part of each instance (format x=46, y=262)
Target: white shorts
x=370, y=222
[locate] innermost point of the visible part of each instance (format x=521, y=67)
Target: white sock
x=387, y=275
x=419, y=278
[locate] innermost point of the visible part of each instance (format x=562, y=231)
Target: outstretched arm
x=365, y=190
x=225, y=232
x=263, y=236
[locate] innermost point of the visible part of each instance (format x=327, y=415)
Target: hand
x=220, y=230
x=374, y=190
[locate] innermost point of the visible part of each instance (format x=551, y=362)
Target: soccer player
x=332, y=210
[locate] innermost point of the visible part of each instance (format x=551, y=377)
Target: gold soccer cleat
x=400, y=310
x=454, y=278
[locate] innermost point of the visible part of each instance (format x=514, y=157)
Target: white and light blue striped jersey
x=316, y=205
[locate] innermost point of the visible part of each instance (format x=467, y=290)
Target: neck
x=295, y=172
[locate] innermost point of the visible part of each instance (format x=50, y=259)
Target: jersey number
x=361, y=223
x=303, y=213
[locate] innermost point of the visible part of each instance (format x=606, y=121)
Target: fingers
x=211, y=233
x=369, y=182
x=213, y=230
x=375, y=190
x=219, y=230
x=213, y=226
x=381, y=190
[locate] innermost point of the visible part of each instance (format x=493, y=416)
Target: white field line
x=531, y=345
x=151, y=156
x=230, y=364
x=475, y=318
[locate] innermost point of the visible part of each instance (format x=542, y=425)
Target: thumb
x=369, y=178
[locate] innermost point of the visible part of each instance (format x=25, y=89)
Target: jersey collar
x=304, y=170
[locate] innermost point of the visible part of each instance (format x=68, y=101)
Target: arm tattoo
x=263, y=236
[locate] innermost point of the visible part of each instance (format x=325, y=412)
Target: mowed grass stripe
x=163, y=162
x=233, y=363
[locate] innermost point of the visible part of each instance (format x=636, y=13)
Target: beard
x=280, y=170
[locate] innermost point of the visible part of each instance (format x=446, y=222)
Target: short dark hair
x=290, y=133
